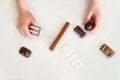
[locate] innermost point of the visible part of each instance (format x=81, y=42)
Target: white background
x=46, y=65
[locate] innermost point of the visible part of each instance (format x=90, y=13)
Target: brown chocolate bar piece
x=80, y=31
x=25, y=52
x=107, y=50
x=34, y=30
x=90, y=25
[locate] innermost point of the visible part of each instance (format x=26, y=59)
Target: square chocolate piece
x=107, y=50
x=34, y=30
x=78, y=30
x=25, y=52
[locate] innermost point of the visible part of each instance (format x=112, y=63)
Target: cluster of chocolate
x=35, y=30
x=88, y=27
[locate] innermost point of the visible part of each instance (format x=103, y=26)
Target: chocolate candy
x=57, y=39
x=34, y=30
x=25, y=52
x=107, y=50
x=90, y=25
x=79, y=31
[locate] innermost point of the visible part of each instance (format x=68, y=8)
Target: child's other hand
x=25, y=19
x=94, y=10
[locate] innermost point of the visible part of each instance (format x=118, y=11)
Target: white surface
x=45, y=65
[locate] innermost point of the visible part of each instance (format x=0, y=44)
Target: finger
x=20, y=28
x=86, y=20
x=27, y=31
x=97, y=24
x=22, y=32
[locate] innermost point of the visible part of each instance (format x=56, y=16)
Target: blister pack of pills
x=71, y=56
x=34, y=30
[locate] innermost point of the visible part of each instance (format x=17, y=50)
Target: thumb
x=88, y=17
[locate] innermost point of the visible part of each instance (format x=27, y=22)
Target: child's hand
x=25, y=19
x=94, y=10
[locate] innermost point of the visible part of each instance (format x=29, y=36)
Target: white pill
x=77, y=60
x=32, y=31
x=74, y=55
x=37, y=28
x=32, y=27
x=64, y=50
x=70, y=58
x=68, y=47
x=67, y=54
x=36, y=32
x=76, y=67
x=71, y=51
x=73, y=63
